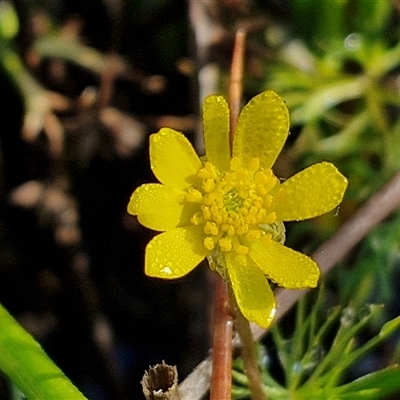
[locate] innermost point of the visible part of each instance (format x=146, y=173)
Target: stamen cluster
x=233, y=205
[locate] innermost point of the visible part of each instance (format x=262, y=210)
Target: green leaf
x=27, y=365
x=372, y=386
x=328, y=96
x=351, y=323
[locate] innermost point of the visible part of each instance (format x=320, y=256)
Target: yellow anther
x=253, y=211
x=250, y=220
x=208, y=171
x=225, y=216
x=211, y=170
x=235, y=163
x=258, y=203
x=254, y=164
x=219, y=202
x=270, y=218
x=243, y=228
x=231, y=230
x=237, y=222
x=203, y=174
x=214, y=209
x=194, y=196
x=253, y=194
x=262, y=217
x=225, y=244
x=218, y=219
x=240, y=249
x=244, y=212
x=261, y=190
x=209, y=243
x=253, y=234
x=266, y=237
x=211, y=228
x=242, y=175
x=207, y=213
x=197, y=219
x=243, y=194
x=208, y=185
x=265, y=177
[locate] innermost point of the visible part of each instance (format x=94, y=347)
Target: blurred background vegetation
x=83, y=84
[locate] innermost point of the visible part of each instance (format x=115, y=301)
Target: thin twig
x=236, y=79
x=377, y=208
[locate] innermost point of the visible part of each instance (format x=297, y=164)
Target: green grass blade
x=26, y=364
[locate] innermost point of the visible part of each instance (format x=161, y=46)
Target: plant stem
x=221, y=378
x=248, y=353
x=235, y=83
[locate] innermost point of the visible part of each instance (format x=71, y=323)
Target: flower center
x=235, y=205
x=232, y=201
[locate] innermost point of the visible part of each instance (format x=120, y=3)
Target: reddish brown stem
x=221, y=379
x=235, y=83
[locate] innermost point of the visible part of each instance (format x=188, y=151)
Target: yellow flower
x=231, y=209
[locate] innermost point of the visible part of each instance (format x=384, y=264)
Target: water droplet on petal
x=166, y=271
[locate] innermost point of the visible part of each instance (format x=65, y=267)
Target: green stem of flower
x=248, y=352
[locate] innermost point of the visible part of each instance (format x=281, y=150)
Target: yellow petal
x=252, y=291
x=312, y=192
x=175, y=253
x=284, y=266
x=160, y=207
x=216, y=131
x=173, y=159
x=262, y=129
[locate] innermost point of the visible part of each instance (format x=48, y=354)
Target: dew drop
x=166, y=271
x=336, y=212
x=353, y=41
